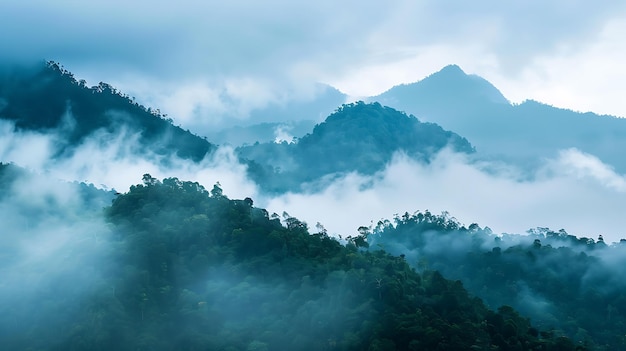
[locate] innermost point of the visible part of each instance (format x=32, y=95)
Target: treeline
x=193, y=270
x=48, y=98
x=357, y=137
x=573, y=286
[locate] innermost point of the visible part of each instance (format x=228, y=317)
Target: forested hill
x=358, y=137
x=183, y=268
x=48, y=98
x=574, y=285
x=523, y=133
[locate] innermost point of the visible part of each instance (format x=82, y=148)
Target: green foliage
x=358, y=137
x=569, y=284
x=50, y=98
x=193, y=270
x=184, y=268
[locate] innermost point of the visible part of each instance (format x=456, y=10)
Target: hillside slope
x=358, y=137
x=572, y=285
x=524, y=133
x=189, y=269
x=48, y=98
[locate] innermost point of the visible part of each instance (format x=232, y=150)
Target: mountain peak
x=451, y=70
x=378, y=130
x=449, y=85
x=454, y=80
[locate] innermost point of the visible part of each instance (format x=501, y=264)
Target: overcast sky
x=199, y=59
x=203, y=62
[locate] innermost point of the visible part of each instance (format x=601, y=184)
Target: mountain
x=450, y=87
x=524, y=133
x=358, y=137
x=171, y=265
x=178, y=267
x=573, y=286
x=48, y=98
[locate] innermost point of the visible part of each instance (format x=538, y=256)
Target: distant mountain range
x=184, y=261
x=524, y=133
x=358, y=137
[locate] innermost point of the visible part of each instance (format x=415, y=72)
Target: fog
x=116, y=160
x=53, y=241
x=574, y=191
x=57, y=250
x=206, y=62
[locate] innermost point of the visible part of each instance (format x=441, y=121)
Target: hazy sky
x=198, y=59
x=204, y=60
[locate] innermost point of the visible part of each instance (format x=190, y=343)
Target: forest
x=358, y=137
x=572, y=285
x=182, y=267
x=68, y=107
x=172, y=265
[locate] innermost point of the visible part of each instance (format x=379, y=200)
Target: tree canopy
x=190, y=269
x=49, y=98
x=572, y=285
x=357, y=137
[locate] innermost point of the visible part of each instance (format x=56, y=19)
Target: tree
x=217, y=192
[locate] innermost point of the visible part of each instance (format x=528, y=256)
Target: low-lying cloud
x=116, y=160
x=53, y=242
x=574, y=191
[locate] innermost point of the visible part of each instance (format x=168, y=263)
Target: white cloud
x=585, y=206
x=282, y=134
x=118, y=164
x=51, y=239
x=555, y=51
x=585, y=76
x=117, y=161
x=582, y=166
x=206, y=62
x=29, y=149
x=574, y=191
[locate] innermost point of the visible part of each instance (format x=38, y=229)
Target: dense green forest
x=172, y=265
x=357, y=137
x=573, y=285
x=180, y=267
x=48, y=98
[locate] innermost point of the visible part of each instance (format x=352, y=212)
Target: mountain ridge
x=48, y=98
x=519, y=133
x=460, y=88
x=357, y=137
